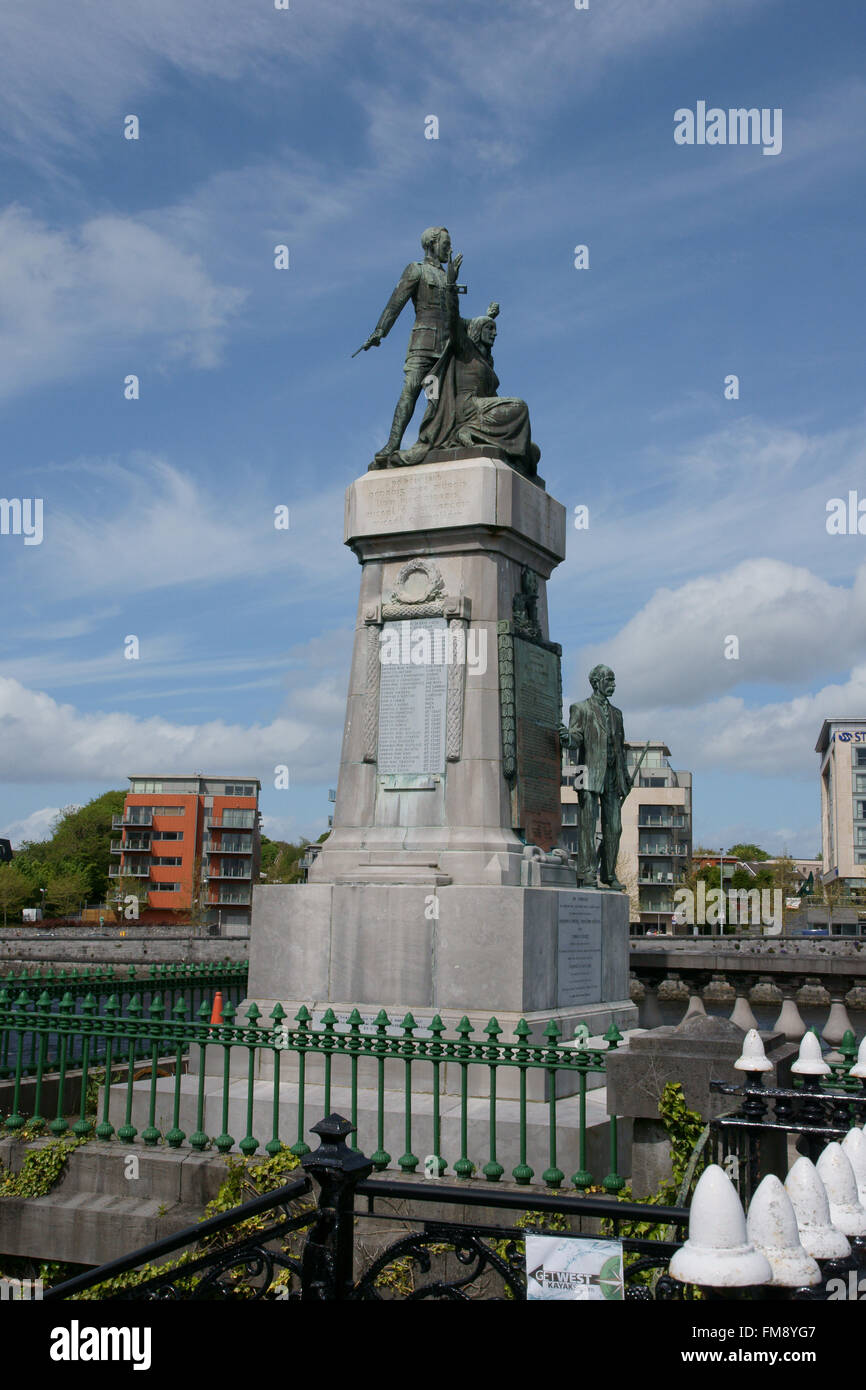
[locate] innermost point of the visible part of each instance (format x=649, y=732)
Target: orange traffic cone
x=216, y=1013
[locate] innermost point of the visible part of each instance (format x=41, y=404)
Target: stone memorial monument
x=440, y=888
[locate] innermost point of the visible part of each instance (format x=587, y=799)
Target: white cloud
x=36, y=826
x=43, y=740
x=789, y=625
x=776, y=739
x=71, y=298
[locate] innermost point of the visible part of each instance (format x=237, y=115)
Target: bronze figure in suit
x=597, y=744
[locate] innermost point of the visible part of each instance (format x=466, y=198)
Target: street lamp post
x=722, y=896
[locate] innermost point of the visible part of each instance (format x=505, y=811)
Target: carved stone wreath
x=419, y=581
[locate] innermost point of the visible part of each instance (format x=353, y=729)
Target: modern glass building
x=841, y=747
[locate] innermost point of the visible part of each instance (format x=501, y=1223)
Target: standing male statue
x=596, y=742
x=424, y=282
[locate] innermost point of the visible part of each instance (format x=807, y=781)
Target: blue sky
x=306, y=127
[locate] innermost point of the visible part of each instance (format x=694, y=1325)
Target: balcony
x=232, y=872
x=237, y=900
x=655, y=850
x=223, y=822
x=139, y=817
x=130, y=847
x=129, y=871
x=230, y=849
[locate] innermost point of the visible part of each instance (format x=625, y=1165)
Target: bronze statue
x=597, y=744
x=464, y=409
x=424, y=282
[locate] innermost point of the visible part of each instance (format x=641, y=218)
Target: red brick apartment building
x=189, y=847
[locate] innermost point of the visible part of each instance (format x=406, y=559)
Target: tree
x=66, y=891
x=281, y=860
x=15, y=889
x=748, y=852
x=80, y=843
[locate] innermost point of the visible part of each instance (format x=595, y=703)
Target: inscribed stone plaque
x=579, y=949
x=413, y=686
x=536, y=801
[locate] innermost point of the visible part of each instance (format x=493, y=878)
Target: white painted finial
x=836, y=1173
x=772, y=1229
x=854, y=1146
x=717, y=1253
x=859, y=1067
x=818, y=1235
x=810, y=1062
x=753, y=1057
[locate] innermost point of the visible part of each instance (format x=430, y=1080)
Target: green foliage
x=73, y=864
x=16, y=890
x=281, y=860
x=41, y=1169
x=748, y=852
x=686, y=1131
x=244, y=1180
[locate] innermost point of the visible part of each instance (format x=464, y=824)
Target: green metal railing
x=232, y=1054
x=195, y=982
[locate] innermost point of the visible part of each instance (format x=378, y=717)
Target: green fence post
x=279, y=1040
x=250, y=1143
x=522, y=1174
x=16, y=1121
x=493, y=1170
x=224, y=1032
x=43, y=1006
x=302, y=1018
x=408, y=1162
x=437, y=1028
x=613, y=1182
x=105, y=1129
x=150, y=1135
x=354, y=1044
x=83, y=1126
x=58, y=1125
x=329, y=1019
x=552, y=1175
x=128, y=1131
x=464, y=1167
x=176, y=1135
x=198, y=1139
x=5, y=1034
x=381, y=1158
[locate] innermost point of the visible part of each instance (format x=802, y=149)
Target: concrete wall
x=20, y=947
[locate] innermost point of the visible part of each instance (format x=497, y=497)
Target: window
x=860, y=810
x=164, y=887
x=861, y=757
x=860, y=838
x=239, y=789
x=147, y=786
x=569, y=814
x=168, y=834
x=179, y=810
x=860, y=781
x=166, y=859
x=241, y=820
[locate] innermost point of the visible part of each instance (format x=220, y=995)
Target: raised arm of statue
x=456, y=325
